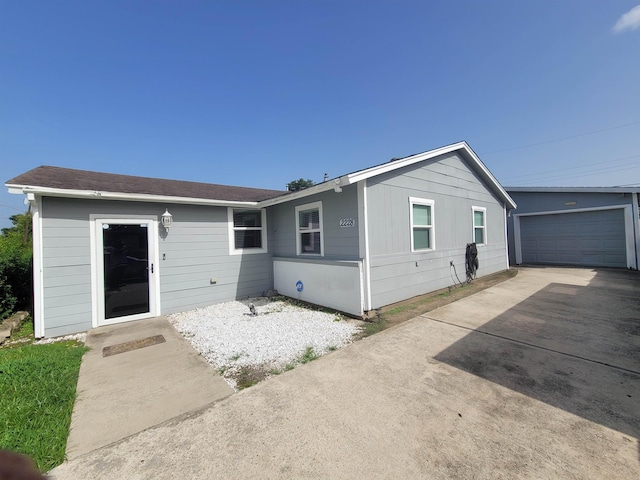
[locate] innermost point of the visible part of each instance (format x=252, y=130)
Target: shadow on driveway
x=573, y=345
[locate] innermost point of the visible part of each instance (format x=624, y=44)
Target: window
x=247, y=231
x=422, y=230
x=479, y=225
x=309, y=239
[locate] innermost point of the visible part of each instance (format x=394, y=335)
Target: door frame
x=97, y=267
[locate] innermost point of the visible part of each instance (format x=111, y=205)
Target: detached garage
x=596, y=227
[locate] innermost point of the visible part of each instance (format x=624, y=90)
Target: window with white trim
x=247, y=230
x=421, y=214
x=479, y=225
x=309, y=238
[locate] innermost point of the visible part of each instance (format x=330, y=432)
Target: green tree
x=15, y=265
x=299, y=184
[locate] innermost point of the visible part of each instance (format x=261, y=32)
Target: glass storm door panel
x=126, y=269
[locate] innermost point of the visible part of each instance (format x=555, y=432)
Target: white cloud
x=628, y=21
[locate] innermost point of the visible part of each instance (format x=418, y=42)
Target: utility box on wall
x=332, y=284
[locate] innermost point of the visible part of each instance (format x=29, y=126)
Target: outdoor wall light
x=167, y=218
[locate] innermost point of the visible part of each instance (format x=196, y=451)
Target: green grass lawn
x=37, y=391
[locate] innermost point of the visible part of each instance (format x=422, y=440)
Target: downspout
x=38, y=284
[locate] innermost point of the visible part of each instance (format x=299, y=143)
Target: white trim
x=360, y=175
x=517, y=239
x=131, y=197
x=38, y=272
x=636, y=226
x=97, y=268
x=506, y=237
x=95, y=293
x=363, y=225
x=432, y=228
x=309, y=206
x=232, y=238
x=420, y=157
x=632, y=260
x=573, y=210
x=485, y=239
x=335, y=184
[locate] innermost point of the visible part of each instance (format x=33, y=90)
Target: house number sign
x=347, y=222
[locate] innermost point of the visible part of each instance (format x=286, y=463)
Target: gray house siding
x=66, y=267
x=339, y=243
x=367, y=236
x=572, y=227
x=396, y=272
x=195, y=251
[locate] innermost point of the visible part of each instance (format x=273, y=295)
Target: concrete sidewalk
x=507, y=383
x=150, y=374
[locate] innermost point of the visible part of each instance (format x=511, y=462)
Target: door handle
x=152, y=268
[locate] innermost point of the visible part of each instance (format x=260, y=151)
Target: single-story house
x=113, y=248
x=591, y=226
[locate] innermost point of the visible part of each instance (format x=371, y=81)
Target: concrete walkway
x=148, y=374
x=538, y=377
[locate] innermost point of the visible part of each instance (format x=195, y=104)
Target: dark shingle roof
x=71, y=179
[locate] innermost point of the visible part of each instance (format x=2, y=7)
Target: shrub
x=7, y=299
x=15, y=265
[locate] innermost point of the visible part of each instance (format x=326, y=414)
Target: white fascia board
x=420, y=157
x=342, y=181
x=394, y=165
x=511, y=204
x=131, y=197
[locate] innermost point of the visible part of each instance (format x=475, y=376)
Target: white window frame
x=474, y=226
x=432, y=228
x=309, y=206
x=232, y=229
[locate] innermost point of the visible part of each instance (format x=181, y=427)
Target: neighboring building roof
x=67, y=182
x=574, y=189
x=59, y=180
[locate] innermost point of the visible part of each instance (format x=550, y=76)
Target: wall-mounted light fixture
x=167, y=218
x=336, y=187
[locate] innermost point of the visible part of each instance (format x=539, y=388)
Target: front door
x=126, y=270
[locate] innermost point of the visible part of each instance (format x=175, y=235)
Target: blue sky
x=258, y=93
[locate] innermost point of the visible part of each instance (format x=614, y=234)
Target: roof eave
x=137, y=197
x=420, y=157
x=333, y=184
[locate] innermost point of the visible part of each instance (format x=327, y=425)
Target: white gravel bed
x=229, y=337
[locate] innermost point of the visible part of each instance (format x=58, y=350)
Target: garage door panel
x=543, y=244
x=614, y=244
x=615, y=258
x=578, y=238
x=591, y=244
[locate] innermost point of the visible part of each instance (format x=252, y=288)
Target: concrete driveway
x=538, y=377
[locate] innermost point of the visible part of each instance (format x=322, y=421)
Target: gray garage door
x=582, y=238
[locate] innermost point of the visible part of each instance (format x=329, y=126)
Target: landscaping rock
x=10, y=324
